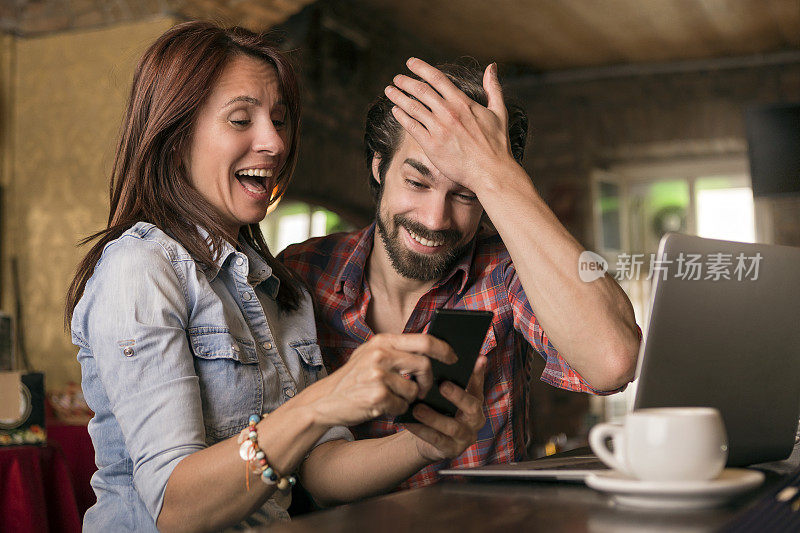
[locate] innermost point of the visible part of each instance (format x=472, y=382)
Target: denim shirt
x=175, y=358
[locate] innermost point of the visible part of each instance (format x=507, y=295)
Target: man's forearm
x=591, y=324
x=340, y=471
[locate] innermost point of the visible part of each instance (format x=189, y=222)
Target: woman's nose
x=269, y=140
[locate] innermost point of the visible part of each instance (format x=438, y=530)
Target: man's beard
x=421, y=267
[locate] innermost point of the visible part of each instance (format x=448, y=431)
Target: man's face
x=426, y=221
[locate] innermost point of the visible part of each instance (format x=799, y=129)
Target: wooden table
x=510, y=506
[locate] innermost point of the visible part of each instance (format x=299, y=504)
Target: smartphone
x=464, y=330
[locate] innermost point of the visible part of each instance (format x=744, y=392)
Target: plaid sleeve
x=557, y=371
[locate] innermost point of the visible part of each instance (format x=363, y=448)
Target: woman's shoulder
x=143, y=256
x=142, y=243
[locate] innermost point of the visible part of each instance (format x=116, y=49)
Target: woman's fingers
x=389, y=363
x=421, y=343
x=406, y=357
x=406, y=389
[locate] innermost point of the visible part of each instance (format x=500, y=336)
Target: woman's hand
x=371, y=384
x=442, y=437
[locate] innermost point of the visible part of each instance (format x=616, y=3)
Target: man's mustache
x=447, y=236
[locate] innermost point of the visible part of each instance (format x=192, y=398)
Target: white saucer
x=675, y=494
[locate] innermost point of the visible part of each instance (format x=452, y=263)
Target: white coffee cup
x=665, y=444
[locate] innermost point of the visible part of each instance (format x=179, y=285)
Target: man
x=443, y=156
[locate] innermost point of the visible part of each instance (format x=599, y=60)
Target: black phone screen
x=464, y=330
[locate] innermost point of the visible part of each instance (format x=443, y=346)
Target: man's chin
x=425, y=267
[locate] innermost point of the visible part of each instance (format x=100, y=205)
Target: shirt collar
x=258, y=271
x=352, y=274
x=211, y=271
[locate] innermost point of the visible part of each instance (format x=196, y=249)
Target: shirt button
x=289, y=392
x=239, y=261
x=247, y=296
x=128, y=351
x=267, y=345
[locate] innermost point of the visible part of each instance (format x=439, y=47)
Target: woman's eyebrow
x=250, y=100
x=246, y=99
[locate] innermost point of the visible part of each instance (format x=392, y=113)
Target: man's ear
x=376, y=161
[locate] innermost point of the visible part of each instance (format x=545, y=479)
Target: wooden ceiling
x=37, y=17
x=537, y=34
x=560, y=34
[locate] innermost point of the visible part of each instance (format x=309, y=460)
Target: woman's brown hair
x=149, y=181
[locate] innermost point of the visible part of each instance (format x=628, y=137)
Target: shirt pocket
x=310, y=360
x=231, y=387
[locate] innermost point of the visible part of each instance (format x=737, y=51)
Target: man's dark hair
x=383, y=133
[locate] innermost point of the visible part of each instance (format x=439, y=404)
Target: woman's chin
x=253, y=217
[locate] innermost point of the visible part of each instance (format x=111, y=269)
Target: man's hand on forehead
x=464, y=140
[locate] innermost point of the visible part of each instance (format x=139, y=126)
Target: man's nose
x=269, y=140
x=435, y=213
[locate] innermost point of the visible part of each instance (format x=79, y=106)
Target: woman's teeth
x=254, y=179
x=423, y=241
x=258, y=172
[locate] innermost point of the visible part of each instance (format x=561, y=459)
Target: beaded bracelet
x=254, y=457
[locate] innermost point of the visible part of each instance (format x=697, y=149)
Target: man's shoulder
x=490, y=252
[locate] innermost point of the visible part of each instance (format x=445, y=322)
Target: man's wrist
x=503, y=178
x=416, y=446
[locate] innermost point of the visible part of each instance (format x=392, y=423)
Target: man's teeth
x=423, y=241
x=256, y=172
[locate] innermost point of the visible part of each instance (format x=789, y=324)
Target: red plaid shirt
x=333, y=268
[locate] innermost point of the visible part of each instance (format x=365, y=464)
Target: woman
x=188, y=329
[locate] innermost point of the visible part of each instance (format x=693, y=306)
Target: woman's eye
x=278, y=124
x=415, y=184
x=243, y=122
x=467, y=197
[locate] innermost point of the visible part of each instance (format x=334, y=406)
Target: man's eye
x=415, y=184
x=468, y=197
x=240, y=122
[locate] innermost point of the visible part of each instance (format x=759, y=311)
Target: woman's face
x=239, y=142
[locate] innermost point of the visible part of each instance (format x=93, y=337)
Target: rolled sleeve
x=557, y=371
x=136, y=326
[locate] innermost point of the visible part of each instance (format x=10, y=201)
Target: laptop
x=724, y=334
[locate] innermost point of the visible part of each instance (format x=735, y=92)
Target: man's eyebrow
x=418, y=166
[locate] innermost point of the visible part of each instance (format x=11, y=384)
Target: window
x=635, y=205
x=294, y=221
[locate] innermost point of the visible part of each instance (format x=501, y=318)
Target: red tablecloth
x=79, y=453
x=36, y=492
